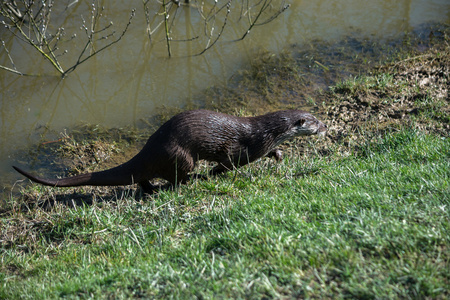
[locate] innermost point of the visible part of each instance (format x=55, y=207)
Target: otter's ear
x=299, y=123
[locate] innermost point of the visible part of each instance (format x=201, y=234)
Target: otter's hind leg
x=147, y=187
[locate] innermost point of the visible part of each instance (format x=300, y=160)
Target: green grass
x=374, y=224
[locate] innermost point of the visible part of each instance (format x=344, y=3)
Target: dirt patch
x=413, y=91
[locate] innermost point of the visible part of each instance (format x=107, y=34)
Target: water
x=128, y=81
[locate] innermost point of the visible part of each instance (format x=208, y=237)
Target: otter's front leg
x=276, y=153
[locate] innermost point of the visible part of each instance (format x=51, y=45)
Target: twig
x=9, y=56
x=147, y=19
x=166, y=27
x=80, y=61
x=47, y=44
x=220, y=32
x=11, y=70
x=254, y=23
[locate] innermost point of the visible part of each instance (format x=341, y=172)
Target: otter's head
x=300, y=123
x=307, y=124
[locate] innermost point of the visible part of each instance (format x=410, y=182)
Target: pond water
x=129, y=80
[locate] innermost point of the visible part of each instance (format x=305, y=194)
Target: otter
x=172, y=151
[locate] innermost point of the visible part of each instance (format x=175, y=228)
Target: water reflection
x=130, y=79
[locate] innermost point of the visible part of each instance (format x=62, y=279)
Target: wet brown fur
x=172, y=151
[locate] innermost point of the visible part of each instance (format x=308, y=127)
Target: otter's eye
x=299, y=123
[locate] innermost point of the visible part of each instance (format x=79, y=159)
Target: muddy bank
x=374, y=88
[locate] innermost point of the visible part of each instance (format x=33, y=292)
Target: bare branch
x=166, y=26
x=215, y=15
x=11, y=70
x=80, y=60
x=31, y=24
x=9, y=56
x=221, y=30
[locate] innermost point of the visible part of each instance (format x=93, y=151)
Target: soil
x=414, y=91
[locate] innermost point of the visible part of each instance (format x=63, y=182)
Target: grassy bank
x=373, y=224
x=360, y=214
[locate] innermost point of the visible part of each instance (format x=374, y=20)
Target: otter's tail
x=120, y=175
